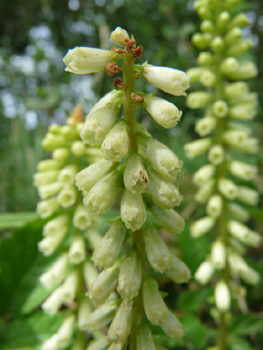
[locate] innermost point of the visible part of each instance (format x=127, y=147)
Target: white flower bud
x=220, y=109
x=205, y=59
x=238, y=212
x=216, y=154
x=51, y=343
x=244, y=234
x=94, y=238
x=229, y=66
x=239, y=266
x=218, y=255
x=222, y=297
x=197, y=147
x=172, y=81
x=205, y=191
x=172, y=222
x=53, y=303
x=163, y=112
x=78, y=148
x=104, y=284
x=70, y=286
x=121, y=324
x=55, y=225
x=119, y=36
x=77, y=250
x=239, y=47
x=50, y=243
x=201, y=41
x=217, y=44
x=194, y=74
x=101, y=344
x=232, y=35
x=98, y=124
x=247, y=195
x=110, y=246
x=116, y=144
x=154, y=306
x=67, y=175
x=67, y=197
x=236, y=89
x=235, y=137
x=242, y=171
x=205, y=173
x=207, y=26
x=245, y=70
x=172, y=326
x=214, y=206
x=109, y=98
x=84, y=311
x=240, y=20
x=162, y=158
x=198, y=99
x=202, y=226
x=45, y=177
x=48, y=164
x=60, y=267
x=250, y=146
x=82, y=218
x=144, y=338
x=51, y=142
x=165, y=193
x=205, y=126
x=101, y=316
x=130, y=276
x=178, y=272
x=47, y=208
x=223, y=19
x=85, y=60
x=204, y=273
x=250, y=276
x=68, y=132
x=103, y=194
x=47, y=279
x=227, y=188
x=133, y=212
x=135, y=176
x=157, y=251
x=60, y=154
x=88, y=177
x=90, y=273
x=65, y=332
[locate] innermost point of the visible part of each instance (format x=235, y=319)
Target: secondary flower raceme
x=227, y=128
x=66, y=232
x=141, y=174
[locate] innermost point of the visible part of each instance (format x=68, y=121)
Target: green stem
x=129, y=106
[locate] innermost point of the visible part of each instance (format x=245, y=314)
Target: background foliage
x=35, y=92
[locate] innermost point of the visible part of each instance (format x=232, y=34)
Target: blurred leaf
x=192, y=300
x=238, y=343
x=247, y=325
x=195, y=331
x=30, y=331
x=15, y=220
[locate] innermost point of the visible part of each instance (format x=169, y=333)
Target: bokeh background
x=35, y=92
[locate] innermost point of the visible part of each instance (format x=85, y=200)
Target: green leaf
x=30, y=331
x=246, y=325
x=195, y=331
x=21, y=264
x=192, y=300
x=238, y=343
x=15, y=220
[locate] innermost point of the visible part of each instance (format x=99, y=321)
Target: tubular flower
x=229, y=111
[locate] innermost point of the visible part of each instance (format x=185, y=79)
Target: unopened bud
x=239, y=47
x=133, y=212
x=157, y=252
x=214, y=206
x=172, y=326
x=227, y=188
x=84, y=312
x=220, y=109
x=178, y=271
x=205, y=126
x=60, y=154
x=242, y=111
x=45, y=177
x=78, y=149
x=217, y=44
x=120, y=36
x=194, y=74
x=82, y=218
x=67, y=197
x=77, y=250
x=48, y=164
x=163, y=112
x=108, y=251
x=172, y=81
x=204, y=272
x=205, y=191
x=101, y=344
x=201, y=41
x=172, y=222
x=216, y=154
x=144, y=338
x=198, y=99
x=244, y=234
x=245, y=70
x=223, y=19
x=50, y=243
x=207, y=26
x=70, y=286
x=207, y=78
x=130, y=276
x=108, y=99
x=53, y=303
x=136, y=178
x=242, y=171
x=229, y=66
x=121, y=324
x=240, y=20
x=65, y=332
x=233, y=35
x=103, y=194
x=238, y=212
x=104, y=285
x=98, y=124
x=90, y=273
x=116, y=144
x=67, y=175
x=205, y=59
x=205, y=173
x=222, y=297
x=218, y=255
x=247, y=195
x=85, y=60
x=202, y=226
x=197, y=147
x=51, y=142
x=238, y=89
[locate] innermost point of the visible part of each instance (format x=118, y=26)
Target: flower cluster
x=140, y=173
x=69, y=233
x=226, y=136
